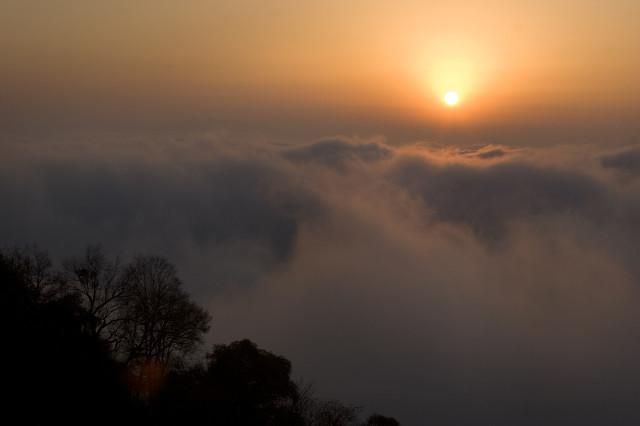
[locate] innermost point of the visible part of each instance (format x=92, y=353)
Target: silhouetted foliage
x=240, y=385
x=318, y=412
x=99, y=283
x=55, y=370
x=378, y=420
x=36, y=270
x=334, y=413
x=161, y=323
x=100, y=343
x=253, y=385
x=140, y=309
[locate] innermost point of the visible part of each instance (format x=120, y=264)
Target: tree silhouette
x=35, y=269
x=252, y=385
x=98, y=281
x=54, y=370
x=99, y=343
x=317, y=412
x=334, y=413
x=241, y=384
x=161, y=323
x=378, y=420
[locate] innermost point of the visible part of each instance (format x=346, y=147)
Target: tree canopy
x=101, y=341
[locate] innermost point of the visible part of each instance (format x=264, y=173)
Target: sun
x=451, y=98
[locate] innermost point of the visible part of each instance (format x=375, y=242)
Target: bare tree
x=36, y=266
x=306, y=404
x=317, y=412
x=161, y=323
x=98, y=281
x=335, y=413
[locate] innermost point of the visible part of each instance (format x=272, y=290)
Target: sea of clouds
x=445, y=285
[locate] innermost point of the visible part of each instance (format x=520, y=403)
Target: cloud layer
x=627, y=161
x=442, y=285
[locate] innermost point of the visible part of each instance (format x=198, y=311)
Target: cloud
x=626, y=161
x=337, y=152
x=441, y=331
x=430, y=283
x=467, y=154
x=494, y=153
x=487, y=199
x=247, y=205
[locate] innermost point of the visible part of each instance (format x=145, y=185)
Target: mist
x=447, y=284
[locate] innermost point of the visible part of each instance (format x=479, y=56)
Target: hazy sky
x=370, y=63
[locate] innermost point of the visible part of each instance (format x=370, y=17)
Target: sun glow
x=451, y=98
x=455, y=74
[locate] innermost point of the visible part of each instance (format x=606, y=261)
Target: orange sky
x=516, y=61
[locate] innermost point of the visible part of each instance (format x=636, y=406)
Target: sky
x=377, y=66
x=467, y=265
